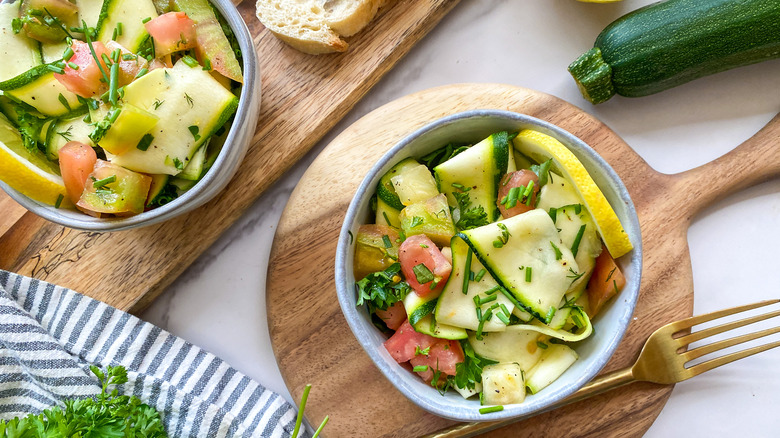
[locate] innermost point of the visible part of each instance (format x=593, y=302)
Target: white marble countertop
x=219, y=302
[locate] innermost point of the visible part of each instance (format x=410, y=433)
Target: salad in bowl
x=488, y=256
x=112, y=109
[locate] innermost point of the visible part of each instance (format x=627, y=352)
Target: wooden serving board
x=303, y=97
x=347, y=385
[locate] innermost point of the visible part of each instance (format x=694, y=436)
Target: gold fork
x=662, y=360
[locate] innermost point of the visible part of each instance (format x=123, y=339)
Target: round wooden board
x=313, y=343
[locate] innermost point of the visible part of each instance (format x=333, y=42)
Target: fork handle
x=594, y=387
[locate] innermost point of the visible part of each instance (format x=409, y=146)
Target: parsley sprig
x=470, y=217
x=382, y=289
x=107, y=415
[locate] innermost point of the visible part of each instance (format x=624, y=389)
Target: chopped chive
x=487, y=299
x=471, y=275
x=550, y=314
x=498, y=244
x=541, y=345
x=575, y=317
x=55, y=69
x=73, y=65
x=434, y=283
x=102, y=182
x=146, y=140
x=59, y=201
x=509, y=296
x=64, y=101
x=558, y=253
x=92, y=50
x=528, y=189
x=422, y=274
x=479, y=313
x=575, y=246
x=505, y=310
x=146, y=20
x=492, y=290
x=299, y=418
x=115, y=55
x=420, y=368
x=610, y=274
x=528, y=201
x=514, y=193
x=128, y=57
x=528, y=274
x=115, y=34
x=488, y=315
x=503, y=200
x=422, y=245
x=207, y=64
x=142, y=72
x=553, y=214
x=503, y=318
x=480, y=274
x=113, y=83
x=105, y=58
x=189, y=60
x=480, y=327
x=614, y=283
x=469, y=255
x=384, y=213
x=67, y=54
x=119, y=28
x=387, y=242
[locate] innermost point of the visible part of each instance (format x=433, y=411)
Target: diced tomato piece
x=443, y=356
x=420, y=249
x=172, y=32
x=606, y=282
x=128, y=68
x=85, y=80
x=404, y=344
x=394, y=316
x=520, y=179
x=76, y=163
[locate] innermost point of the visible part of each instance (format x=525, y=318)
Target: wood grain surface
x=323, y=351
x=303, y=97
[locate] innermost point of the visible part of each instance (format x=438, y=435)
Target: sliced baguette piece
x=348, y=17
x=301, y=24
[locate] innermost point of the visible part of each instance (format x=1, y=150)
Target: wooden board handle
x=754, y=161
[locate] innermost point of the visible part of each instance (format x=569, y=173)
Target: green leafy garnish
x=442, y=154
x=382, y=289
x=422, y=274
x=416, y=220
x=470, y=217
x=469, y=372
x=503, y=238
x=106, y=415
x=167, y=195
x=558, y=254
x=542, y=171
x=421, y=352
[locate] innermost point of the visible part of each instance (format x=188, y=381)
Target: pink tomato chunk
x=420, y=250
x=76, y=163
x=517, y=184
x=405, y=343
x=82, y=75
x=172, y=32
x=443, y=357
x=394, y=316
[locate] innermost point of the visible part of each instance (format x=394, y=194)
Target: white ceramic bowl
x=217, y=177
x=609, y=327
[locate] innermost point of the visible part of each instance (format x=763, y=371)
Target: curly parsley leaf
x=107, y=415
x=168, y=194
x=382, y=289
x=470, y=217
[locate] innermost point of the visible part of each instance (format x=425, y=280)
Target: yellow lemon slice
x=29, y=172
x=542, y=147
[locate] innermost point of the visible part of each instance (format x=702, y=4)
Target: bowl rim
x=218, y=175
x=346, y=292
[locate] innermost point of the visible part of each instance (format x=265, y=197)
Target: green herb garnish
x=382, y=289
x=194, y=131
x=469, y=256
x=558, y=254
x=420, y=368
x=422, y=274
x=416, y=220
x=145, y=142
x=102, y=182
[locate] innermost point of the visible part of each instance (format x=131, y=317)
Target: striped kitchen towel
x=49, y=336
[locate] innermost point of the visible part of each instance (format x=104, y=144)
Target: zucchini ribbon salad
x=113, y=106
x=485, y=264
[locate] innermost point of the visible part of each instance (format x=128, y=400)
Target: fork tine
x=706, y=333
x=694, y=320
x=726, y=343
x=723, y=360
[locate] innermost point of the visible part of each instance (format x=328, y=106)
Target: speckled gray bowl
x=217, y=177
x=609, y=327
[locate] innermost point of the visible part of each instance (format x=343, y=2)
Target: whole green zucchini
x=672, y=42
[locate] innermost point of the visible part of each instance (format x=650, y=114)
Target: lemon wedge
x=541, y=147
x=29, y=172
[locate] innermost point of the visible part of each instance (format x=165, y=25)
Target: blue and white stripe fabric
x=49, y=336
